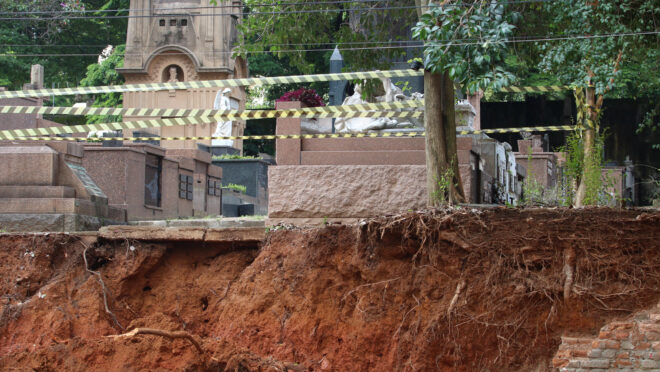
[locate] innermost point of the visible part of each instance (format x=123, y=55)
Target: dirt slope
x=466, y=290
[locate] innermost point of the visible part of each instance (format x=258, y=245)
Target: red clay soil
x=462, y=290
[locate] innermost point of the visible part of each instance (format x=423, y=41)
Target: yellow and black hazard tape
x=409, y=134
x=549, y=128
x=71, y=129
x=539, y=89
x=326, y=111
x=154, y=123
x=296, y=79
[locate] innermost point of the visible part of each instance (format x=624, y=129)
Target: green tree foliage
x=580, y=61
x=267, y=64
x=467, y=42
x=45, y=30
x=594, y=52
x=105, y=73
x=303, y=31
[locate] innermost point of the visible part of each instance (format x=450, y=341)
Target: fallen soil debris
x=461, y=290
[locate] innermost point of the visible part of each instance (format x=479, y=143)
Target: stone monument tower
x=183, y=40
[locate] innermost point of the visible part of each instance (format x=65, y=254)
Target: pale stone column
x=475, y=101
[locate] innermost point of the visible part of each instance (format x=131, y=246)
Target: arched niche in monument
x=173, y=74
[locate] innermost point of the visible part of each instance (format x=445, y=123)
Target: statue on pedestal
x=224, y=128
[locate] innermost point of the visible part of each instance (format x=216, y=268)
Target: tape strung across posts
x=353, y=111
x=553, y=128
x=296, y=79
x=140, y=124
x=536, y=89
x=326, y=111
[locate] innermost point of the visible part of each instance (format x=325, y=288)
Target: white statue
x=223, y=129
x=357, y=125
x=392, y=94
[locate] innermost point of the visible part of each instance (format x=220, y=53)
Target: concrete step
x=37, y=192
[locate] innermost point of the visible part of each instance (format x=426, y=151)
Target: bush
x=308, y=97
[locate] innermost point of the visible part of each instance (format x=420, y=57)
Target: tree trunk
x=443, y=180
x=589, y=143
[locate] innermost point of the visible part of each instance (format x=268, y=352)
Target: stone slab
x=57, y=205
x=211, y=235
x=37, y=205
x=409, y=157
x=203, y=222
x=288, y=150
x=363, y=144
x=341, y=191
x=28, y=165
x=37, y=192
x=56, y=222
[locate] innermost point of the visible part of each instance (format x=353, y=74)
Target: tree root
x=103, y=290
x=569, y=261
x=459, y=288
x=159, y=332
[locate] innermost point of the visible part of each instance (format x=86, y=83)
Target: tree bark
x=441, y=154
x=589, y=142
x=456, y=194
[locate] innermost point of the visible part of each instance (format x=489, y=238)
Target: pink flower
x=308, y=97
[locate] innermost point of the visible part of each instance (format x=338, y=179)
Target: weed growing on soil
x=444, y=184
x=597, y=185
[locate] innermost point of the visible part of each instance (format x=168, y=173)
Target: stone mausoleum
x=178, y=41
x=74, y=186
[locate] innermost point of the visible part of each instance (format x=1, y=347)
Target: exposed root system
x=458, y=290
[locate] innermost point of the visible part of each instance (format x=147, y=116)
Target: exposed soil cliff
x=461, y=290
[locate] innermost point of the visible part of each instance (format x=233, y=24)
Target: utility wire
x=377, y=42
x=280, y=44
x=434, y=44
x=175, y=13
x=306, y=11
x=250, y=6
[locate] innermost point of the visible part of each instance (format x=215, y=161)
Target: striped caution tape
x=296, y=79
x=140, y=124
x=410, y=134
x=539, y=89
x=550, y=128
x=154, y=123
x=327, y=111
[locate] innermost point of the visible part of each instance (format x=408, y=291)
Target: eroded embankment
x=466, y=291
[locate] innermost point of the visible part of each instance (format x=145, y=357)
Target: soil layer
x=464, y=290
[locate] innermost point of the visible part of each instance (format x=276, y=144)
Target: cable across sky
x=474, y=42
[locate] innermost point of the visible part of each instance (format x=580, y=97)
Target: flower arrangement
x=308, y=97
